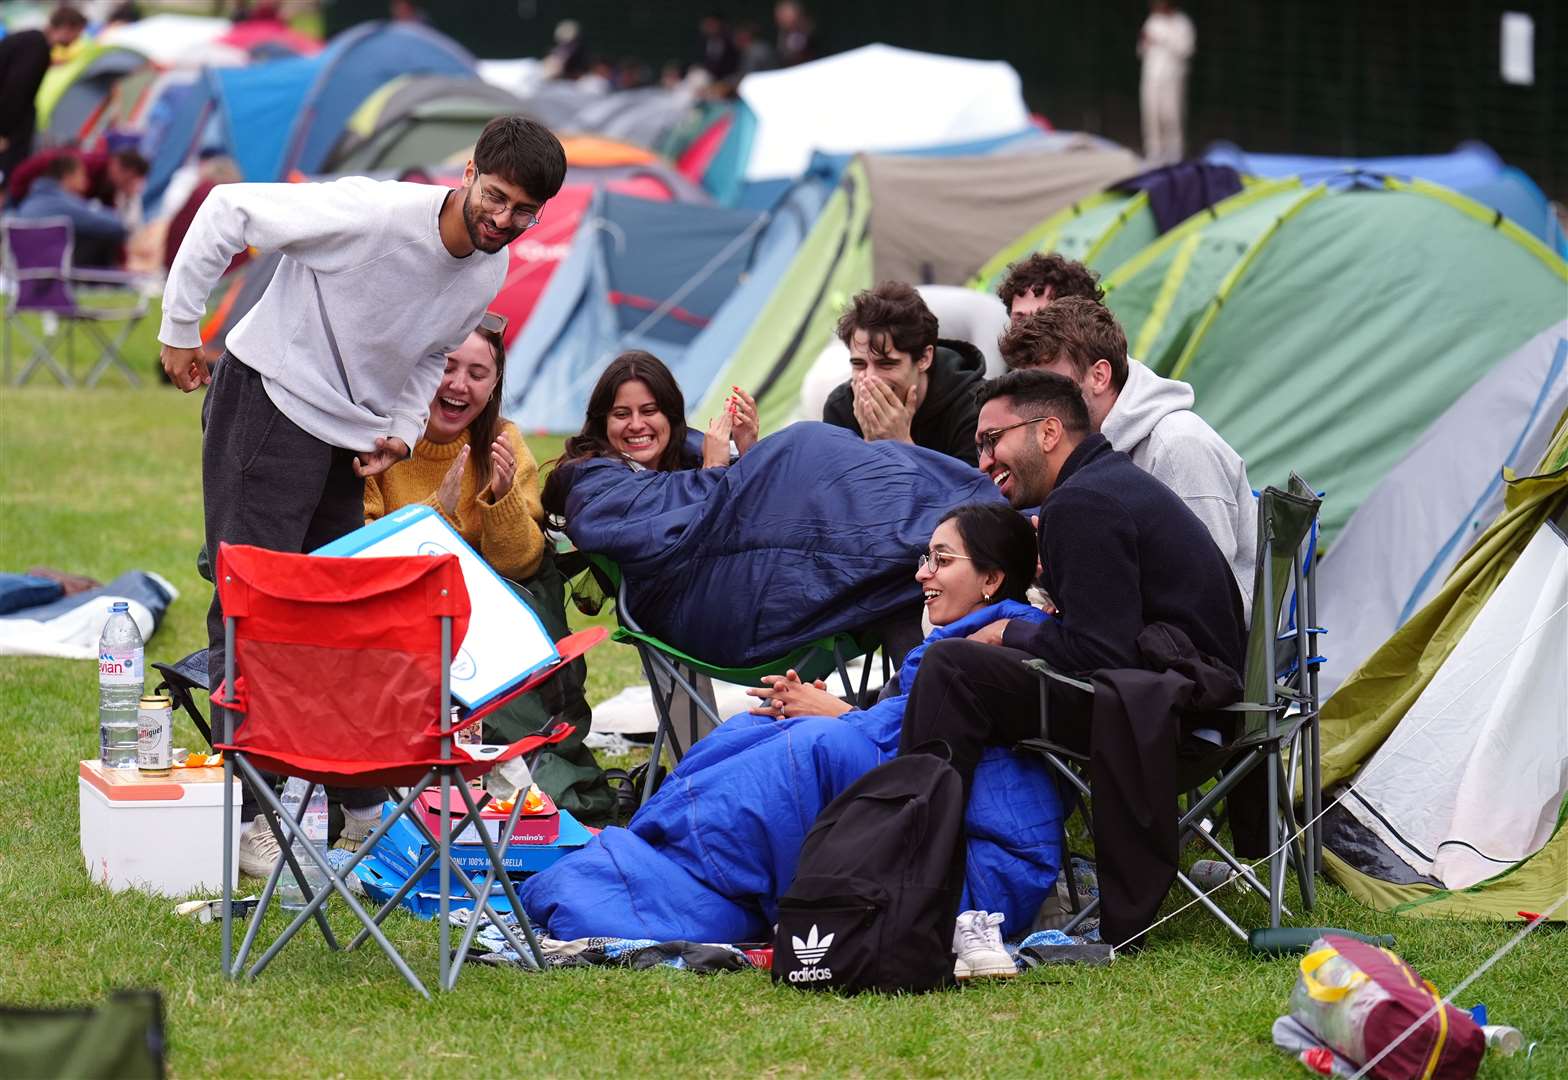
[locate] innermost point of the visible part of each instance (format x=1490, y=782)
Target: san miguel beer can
x=155, y=735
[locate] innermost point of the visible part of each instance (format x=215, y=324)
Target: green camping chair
x=121, y=1037
x=1279, y=719
x=670, y=670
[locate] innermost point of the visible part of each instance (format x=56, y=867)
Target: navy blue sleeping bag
x=709, y=855
x=813, y=531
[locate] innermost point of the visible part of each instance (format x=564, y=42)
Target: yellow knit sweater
x=506, y=533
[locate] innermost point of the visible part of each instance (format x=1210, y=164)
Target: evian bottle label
x=120, y=666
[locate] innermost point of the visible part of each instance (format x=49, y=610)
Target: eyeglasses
x=494, y=203
x=988, y=440
x=940, y=560
x=493, y=322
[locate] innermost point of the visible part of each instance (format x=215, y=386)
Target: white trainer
x=977, y=939
x=259, y=850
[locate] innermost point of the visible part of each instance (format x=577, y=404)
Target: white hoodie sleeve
x=326, y=227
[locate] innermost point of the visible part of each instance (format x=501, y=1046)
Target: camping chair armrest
x=1046, y=671
x=106, y=276
x=1248, y=706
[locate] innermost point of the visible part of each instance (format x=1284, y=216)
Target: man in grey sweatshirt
x=1147, y=417
x=329, y=378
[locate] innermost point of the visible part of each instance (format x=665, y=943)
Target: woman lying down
x=708, y=856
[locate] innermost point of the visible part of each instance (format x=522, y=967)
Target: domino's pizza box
x=505, y=642
x=402, y=848
x=539, y=827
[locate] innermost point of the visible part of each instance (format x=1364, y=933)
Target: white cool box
x=162, y=836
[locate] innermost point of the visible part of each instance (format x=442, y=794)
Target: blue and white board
x=505, y=643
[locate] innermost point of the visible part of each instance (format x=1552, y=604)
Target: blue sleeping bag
x=709, y=855
x=812, y=532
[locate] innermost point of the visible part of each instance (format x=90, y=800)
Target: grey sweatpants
x=267, y=483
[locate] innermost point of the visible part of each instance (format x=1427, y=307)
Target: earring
x=985, y=597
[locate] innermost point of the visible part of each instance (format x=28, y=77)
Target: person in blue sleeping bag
x=708, y=856
x=809, y=532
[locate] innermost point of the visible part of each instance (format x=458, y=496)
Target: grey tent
x=1398, y=548
x=418, y=120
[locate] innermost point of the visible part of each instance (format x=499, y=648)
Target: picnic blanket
x=811, y=532
x=708, y=856
x=69, y=626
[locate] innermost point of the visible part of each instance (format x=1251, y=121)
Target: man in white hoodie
x=1145, y=416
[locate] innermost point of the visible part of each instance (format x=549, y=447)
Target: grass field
x=99, y=482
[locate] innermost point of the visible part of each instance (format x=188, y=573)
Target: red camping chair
x=343, y=679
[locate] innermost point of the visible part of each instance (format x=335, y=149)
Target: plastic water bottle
x=121, y=671
x=315, y=826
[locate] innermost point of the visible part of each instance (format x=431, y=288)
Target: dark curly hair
x=1043, y=393
x=892, y=314
x=593, y=440
x=1039, y=272
x=997, y=537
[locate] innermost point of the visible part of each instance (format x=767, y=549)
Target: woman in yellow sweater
x=474, y=468
x=472, y=464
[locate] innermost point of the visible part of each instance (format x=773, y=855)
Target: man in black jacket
x=24, y=60
x=905, y=384
x=1119, y=552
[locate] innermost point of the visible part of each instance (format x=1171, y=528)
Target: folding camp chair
x=1279, y=717
x=340, y=669
x=180, y=681
x=669, y=670
x=35, y=259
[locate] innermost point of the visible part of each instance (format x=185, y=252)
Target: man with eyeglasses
x=1119, y=553
x=329, y=378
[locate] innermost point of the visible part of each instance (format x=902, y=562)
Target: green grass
x=97, y=482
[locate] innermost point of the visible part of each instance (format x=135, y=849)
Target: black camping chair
x=180, y=679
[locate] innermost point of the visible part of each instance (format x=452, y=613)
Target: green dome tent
x=1456, y=730
x=1324, y=328
x=1159, y=292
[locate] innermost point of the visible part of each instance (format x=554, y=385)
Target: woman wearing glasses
x=710, y=853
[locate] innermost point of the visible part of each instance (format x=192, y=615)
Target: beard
x=474, y=219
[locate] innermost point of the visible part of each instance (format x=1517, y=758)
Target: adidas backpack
x=878, y=884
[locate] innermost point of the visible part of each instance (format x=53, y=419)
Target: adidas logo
x=813, y=949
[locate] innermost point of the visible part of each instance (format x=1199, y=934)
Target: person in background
x=906, y=384
x=568, y=58
x=1165, y=45
x=755, y=53
x=24, y=60
x=796, y=33
x=60, y=190
x=406, y=11
x=114, y=179
x=716, y=51
x=1033, y=282
x=212, y=171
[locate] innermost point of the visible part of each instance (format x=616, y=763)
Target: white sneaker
x=259, y=850
x=977, y=939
